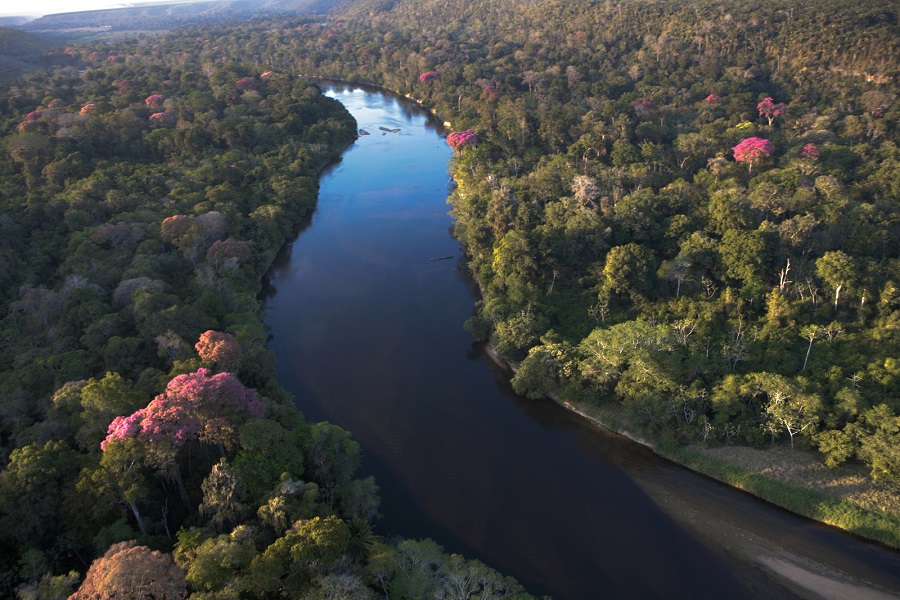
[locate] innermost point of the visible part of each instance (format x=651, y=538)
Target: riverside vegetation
x=682, y=216
x=148, y=449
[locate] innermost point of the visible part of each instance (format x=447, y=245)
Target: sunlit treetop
x=770, y=110
x=194, y=406
x=753, y=149
x=459, y=139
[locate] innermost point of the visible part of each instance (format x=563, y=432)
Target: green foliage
x=602, y=202
x=869, y=523
x=267, y=452
x=218, y=563
x=32, y=488
x=421, y=569
x=103, y=292
x=307, y=549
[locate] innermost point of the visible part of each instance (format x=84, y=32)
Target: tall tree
x=127, y=570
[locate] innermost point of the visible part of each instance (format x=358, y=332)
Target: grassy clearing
x=866, y=521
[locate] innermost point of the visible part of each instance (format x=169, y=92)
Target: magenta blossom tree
x=713, y=99
x=459, y=139
x=195, y=406
x=752, y=150
x=428, y=76
x=770, y=110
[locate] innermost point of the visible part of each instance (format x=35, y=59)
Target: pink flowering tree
x=752, y=150
x=216, y=401
x=809, y=151
x=219, y=348
x=770, y=110
x=713, y=99
x=428, y=76
x=154, y=100
x=88, y=109
x=461, y=139
x=195, y=406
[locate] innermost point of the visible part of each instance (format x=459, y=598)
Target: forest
x=684, y=215
x=144, y=195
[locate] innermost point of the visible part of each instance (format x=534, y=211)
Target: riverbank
x=375, y=308
x=864, y=509
x=795, y=480
x=844, y=498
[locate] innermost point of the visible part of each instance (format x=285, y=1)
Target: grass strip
x=883, y=527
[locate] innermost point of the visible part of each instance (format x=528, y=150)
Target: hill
x=19, y=44
x=162, y=17
x=18, y=50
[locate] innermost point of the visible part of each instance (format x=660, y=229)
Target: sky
x=37, y=8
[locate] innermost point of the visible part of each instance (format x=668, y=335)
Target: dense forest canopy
x=685, y=210
x=144, y=194
x=695, y=202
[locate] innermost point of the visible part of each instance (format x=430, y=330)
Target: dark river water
x=366, y=314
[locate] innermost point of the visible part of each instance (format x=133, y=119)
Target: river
x=366, y=308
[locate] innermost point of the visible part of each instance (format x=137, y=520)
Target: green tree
x=121, y=477
x=879, y=444
x=629, y=270
x=222, y=497
x=102, y=400
x=788, y=406
x=267, y=451
x=306, y=550
x=220, y=563
x=837, y=270
x=32, y=487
